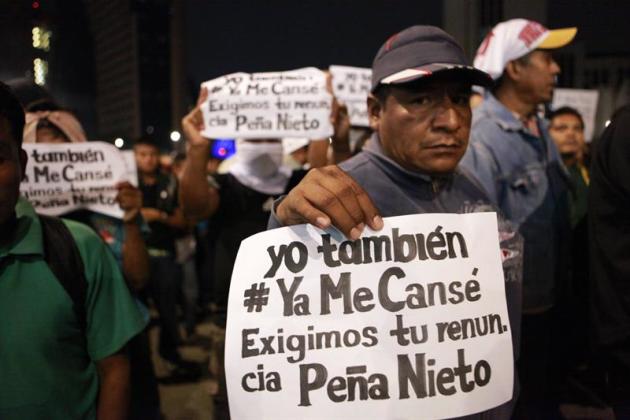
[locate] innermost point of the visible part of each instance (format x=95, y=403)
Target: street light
x=119, y=142
x=175, y=136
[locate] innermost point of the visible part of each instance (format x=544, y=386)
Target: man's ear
x=374, y=111
x=513, y=69
x=23, y=160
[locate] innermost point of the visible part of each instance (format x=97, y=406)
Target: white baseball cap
x=515, y=38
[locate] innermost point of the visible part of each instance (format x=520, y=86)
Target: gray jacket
x=396, y=192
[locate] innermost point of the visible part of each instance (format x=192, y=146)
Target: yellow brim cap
x=557, y=38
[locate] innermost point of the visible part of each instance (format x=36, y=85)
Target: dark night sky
x=228, y=36
x=603, y=25
x=224, y=36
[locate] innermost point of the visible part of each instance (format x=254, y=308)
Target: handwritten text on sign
x=408, y=320
x=268, y=105
x=61, y=178
x=351, y=86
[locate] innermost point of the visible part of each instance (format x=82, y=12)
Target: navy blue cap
x=421, y=51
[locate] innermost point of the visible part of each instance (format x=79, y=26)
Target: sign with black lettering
x=351, y=86
x=411, y=319
x=268, y=105
x=61, y=178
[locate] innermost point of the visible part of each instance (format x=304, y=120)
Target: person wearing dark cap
x=420, y=113
x=514, y=158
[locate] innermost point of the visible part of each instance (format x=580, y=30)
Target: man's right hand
x=330, y=196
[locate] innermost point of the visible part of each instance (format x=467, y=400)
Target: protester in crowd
x=126, y=241
x=239, y=207
x=519, y=166
x=71, y=312
x=162, y=213
x=125, y=238
x=237, y=204
x=566, y=128
x=609, y=293
x=419, y=111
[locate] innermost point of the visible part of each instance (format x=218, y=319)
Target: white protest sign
x=411, y=319
x=64, y=177
x=351, y=85
x=268, y=105
x=584, y=100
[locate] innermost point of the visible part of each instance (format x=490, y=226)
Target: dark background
x=133, y=67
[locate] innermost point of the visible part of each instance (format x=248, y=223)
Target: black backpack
x=63, y=257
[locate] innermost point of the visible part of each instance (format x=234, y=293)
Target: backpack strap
x=63, y=257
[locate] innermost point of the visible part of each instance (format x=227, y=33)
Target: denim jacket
x=524, y=176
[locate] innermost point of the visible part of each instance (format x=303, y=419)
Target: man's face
x=537, y=76
x=147, y=158
x=12, y=165
x=568, y=134
x=424, y=126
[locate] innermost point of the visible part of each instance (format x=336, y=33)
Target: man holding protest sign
x=419, y=110
x=258, y=109
x=56, y=126
x=48, y=125
x=63, y=358
x=241, y=203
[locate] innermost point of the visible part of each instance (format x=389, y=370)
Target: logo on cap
x=390, y=41
x=531, y=32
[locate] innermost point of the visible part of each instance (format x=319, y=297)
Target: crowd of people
x=77, y=342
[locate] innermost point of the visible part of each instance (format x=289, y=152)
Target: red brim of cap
x=468, y=73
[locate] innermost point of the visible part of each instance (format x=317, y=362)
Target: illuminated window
x=41, y=38
x=40, y=71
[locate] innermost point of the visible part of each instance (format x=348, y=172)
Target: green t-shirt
x=47, y=363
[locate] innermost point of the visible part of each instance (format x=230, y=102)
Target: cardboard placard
x=411, y=319
x=268, y=105
x=61, y=178
x=351, y=86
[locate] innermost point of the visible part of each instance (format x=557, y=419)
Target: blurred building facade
x=133, y=67
x=46, y=49
x=134, y=81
